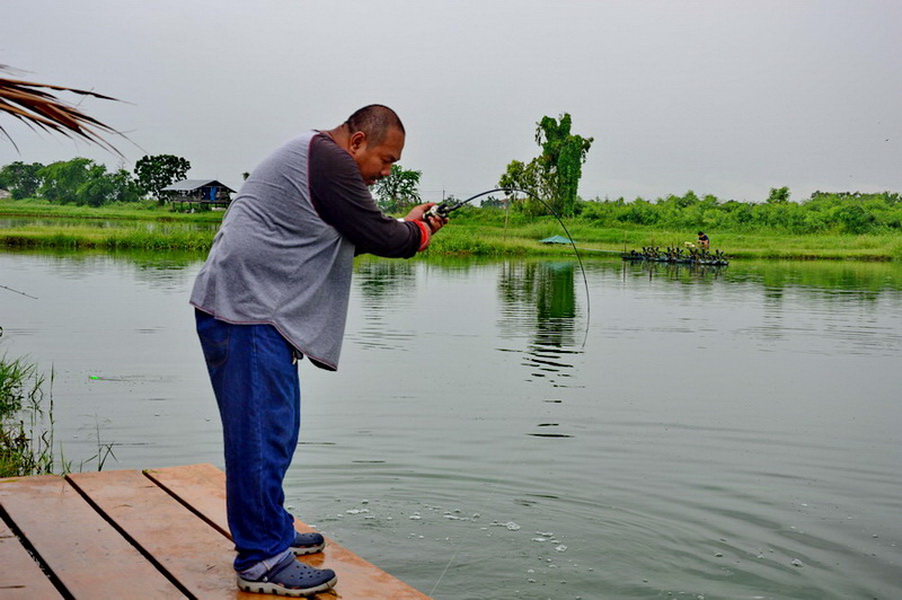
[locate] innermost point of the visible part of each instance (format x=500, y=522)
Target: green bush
x=846, y=212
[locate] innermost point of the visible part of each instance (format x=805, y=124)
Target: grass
x=25, y=449
x=148, y=210
x=520, y=237
x=87, y=237
x=472, y=232
x=27, y=425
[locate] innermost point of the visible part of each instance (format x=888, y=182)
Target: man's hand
x=417, y=214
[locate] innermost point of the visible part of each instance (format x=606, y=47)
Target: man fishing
x=274, y=289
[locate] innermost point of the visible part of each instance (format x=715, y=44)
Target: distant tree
x=778, y=195
x=525, y=177
x=21, y=179
x=563, y=154
x=62, y=180
x=493, y=202
x=522, y=176
x=156, y=172
x=82, y=181
x=125, y=186
x=103, y=188
x=554, y=175
x=398, y=190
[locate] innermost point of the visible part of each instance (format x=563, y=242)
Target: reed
x=26, y=439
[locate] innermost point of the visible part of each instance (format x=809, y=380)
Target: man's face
x=375, y=162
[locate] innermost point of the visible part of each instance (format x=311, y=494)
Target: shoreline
x=476, y=233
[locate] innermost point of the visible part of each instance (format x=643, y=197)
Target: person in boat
x=274, y=289
x=703, y=240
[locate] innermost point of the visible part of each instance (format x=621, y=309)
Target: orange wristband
x=425, y=234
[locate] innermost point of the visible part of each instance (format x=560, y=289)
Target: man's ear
x=357, y=141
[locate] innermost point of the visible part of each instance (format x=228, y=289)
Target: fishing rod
x=443, y=209
x=17, y=291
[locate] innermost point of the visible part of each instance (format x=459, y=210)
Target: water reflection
x=541, y=297
x=381, y=284
x=865, y=279
x=832, y=307
x=862, y=278
x=732, y=434
x=675, y=271
x=379, y=281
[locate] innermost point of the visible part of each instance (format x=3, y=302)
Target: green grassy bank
x=148, y=210
x=472, y=232
x=484, y=234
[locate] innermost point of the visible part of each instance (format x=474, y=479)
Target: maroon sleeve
x=343, y=200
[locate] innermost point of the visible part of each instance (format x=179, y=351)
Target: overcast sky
x=721, y=97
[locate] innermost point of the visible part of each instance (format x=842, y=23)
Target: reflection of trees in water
x=868, y=280
x=381, y=280
x=380, y=283
x=167, y=270
x=539, y=299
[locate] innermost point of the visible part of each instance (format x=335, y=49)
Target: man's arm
x=342, y=200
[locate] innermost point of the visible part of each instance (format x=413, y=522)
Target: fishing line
x=18, y=292
x=470, y=532
x=443, y=209
x=493, y=490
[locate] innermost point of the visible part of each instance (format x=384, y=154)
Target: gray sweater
x=284, y=253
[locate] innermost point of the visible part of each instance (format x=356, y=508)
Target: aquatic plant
x=26, y=445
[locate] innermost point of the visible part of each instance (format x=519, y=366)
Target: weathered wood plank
x=90, y=558
x=203, y=487
x=20, y=576
x=196, y=555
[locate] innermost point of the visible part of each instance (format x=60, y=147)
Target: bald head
x=375, y=120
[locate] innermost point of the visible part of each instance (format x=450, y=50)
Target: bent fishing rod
x=443, y=209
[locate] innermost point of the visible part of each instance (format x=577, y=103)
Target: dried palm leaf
x=34, y=105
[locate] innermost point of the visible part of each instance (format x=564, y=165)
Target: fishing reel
x=443, y=209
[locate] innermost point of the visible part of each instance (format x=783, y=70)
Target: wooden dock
x=152, y=534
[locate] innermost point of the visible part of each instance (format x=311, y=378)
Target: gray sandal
x=290, y=577
x=307, y=543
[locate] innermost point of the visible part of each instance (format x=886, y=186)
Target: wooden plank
x=89, y=558
x=20, y=576
x=203, y=487
x=196, y=555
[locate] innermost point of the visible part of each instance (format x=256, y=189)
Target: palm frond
x=35, y=106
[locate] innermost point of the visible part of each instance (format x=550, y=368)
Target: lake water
x=494, y=434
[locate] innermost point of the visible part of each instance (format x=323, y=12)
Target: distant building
x=4, y=194
x=201, y=192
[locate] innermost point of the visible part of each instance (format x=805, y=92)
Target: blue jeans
x=255, y=380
